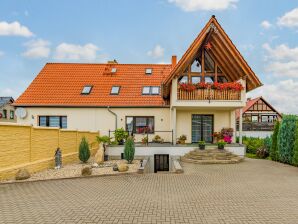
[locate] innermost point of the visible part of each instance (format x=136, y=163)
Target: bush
x=84, y=152
x=274, y=148
x=252, y=144
x=295, y=156
x=129, y=150
x=120, y=135
x=268, y=142
x=262, y=153
x=286, y=138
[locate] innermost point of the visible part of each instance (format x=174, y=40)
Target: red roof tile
x=249, y=103
x=60, y=84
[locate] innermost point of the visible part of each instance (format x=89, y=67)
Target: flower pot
x=202, y=147
x=221, y=147
x=182, y=142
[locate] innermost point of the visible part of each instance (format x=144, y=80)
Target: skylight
x=154, y=90
x=114, y=70
x=150, y=90
x=115, y=90
x=146, y=90
x=148, y=71
x=86, y=90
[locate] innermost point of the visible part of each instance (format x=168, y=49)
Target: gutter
x=114, y=115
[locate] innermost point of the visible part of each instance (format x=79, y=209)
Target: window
x=150, y=90
x=11, y=114
x=264, y=118
x=86, y=90
x=53, y=121
x=148, y=71
x=114, y=70
x=209, y=79
x=115, y=90
x=183, y=79
x=4, y=113
x=196, y=66
x=222, y=79
x=195, y=79
x=140, y=125
x=255, y=118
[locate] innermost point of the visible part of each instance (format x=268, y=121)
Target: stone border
x=177, y=166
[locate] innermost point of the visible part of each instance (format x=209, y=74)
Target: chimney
x=174, y=61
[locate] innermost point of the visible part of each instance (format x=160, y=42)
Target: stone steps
x=211, y=156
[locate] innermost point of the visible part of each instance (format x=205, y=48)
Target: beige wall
x=8, y=108
x=100, y=119
x=222, y=119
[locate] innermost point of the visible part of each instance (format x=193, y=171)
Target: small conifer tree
x=84, y=151
x=274, y=149
x=129, y=150
x=295, y=156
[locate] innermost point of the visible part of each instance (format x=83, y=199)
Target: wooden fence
x=34, y=147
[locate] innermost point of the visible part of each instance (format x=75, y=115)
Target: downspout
x=114, y=115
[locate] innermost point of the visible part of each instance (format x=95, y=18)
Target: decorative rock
x=95, y=165
x=115, y=167
x=122, y=167
x=86, y=171
x=99, y=156
x=22, y=174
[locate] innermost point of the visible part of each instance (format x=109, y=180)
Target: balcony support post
x=173, y=124
x=240, y=125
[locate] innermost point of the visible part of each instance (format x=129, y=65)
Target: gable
x=222, y=50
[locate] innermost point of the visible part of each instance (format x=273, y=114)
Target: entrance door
x=202, y=128
x=161, y=162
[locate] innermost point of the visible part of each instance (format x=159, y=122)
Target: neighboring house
x=197, y=96
x=7, y=111
x=258, y=118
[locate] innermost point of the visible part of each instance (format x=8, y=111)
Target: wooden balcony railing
x=208, y=94
x=256, y=126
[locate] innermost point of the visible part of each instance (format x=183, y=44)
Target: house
x=258, y=118
x=7, y=111
x=195, y=97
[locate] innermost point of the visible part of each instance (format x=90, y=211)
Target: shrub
x=262, y=153
x=105, y=140
x=221, y=144
x=120, y=135
x=252, y=144
x=286, y=138
x=84, y=152
x=295, y=156
x=129, y=149
x=274, y=148
x=268, y=142
x=157, y=139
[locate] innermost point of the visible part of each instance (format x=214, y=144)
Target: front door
x=202, y=128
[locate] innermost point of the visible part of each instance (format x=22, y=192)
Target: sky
x=34, y=32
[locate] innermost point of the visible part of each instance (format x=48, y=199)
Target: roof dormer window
x=115, y=90
x=148, y=71
x=86, y=90
x=114, y=70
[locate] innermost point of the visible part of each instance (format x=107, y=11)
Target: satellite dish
x=21, y=112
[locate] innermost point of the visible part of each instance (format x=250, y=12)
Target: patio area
x=254, y=191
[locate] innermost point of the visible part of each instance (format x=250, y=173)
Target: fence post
x=109, y=134
x=147, y=138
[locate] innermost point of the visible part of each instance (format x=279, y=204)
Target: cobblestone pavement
x=254, y=191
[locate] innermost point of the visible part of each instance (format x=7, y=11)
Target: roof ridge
x=86, y=63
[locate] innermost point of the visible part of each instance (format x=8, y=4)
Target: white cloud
x=1, y=53
x=14, y=29
x=283, y=60
x=266, y=24
x=282, y=95
x=157, y=52
x=67, y=51
x=290, y=19
x=7, y=92
x=205, y=5
x=37, y=49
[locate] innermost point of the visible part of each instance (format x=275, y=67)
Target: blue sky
x=133, y=31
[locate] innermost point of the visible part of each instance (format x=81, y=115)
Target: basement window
x=148, y=71
x=115, y=90
x=86, y=90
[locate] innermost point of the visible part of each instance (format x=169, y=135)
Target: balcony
x=256, y=126
x=208, y=94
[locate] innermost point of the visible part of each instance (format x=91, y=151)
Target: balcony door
x=202, y=128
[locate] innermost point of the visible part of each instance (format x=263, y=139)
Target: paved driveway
x=255, y=191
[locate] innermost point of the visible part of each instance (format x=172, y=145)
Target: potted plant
x=145, y=140
x=120, y=135
x=157, y=139
x=202, y=145
x=105, y=140
x=182, y=139
x=221, y=144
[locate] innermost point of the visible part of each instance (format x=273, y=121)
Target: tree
x=129, y=149
x=295, y=156
x=84, y=151
x=286, y=138
x=274, y=148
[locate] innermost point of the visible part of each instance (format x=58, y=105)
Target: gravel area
x=74, y=170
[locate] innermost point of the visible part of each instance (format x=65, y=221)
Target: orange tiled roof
x=60, y=84
x=249, y=103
